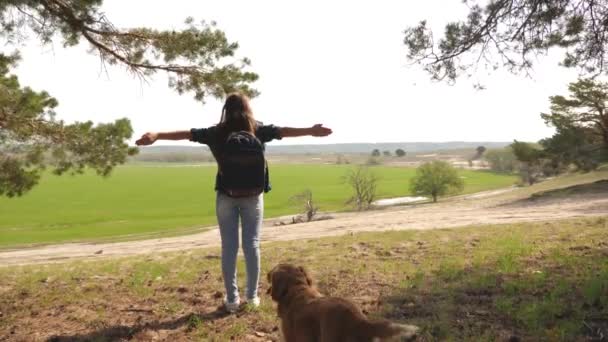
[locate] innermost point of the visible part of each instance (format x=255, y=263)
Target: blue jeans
x=251, y=211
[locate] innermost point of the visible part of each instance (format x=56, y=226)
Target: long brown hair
x=236, y=115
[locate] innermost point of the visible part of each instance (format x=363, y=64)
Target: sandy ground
x=477, y=209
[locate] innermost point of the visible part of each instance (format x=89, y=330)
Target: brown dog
x=307, y=316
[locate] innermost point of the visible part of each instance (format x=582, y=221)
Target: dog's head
x=284, y=276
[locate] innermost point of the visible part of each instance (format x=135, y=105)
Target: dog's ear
x=308, y=278
x=278, y=287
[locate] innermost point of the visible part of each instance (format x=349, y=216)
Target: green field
x=142, y=200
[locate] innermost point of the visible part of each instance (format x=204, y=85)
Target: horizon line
x=352, y=143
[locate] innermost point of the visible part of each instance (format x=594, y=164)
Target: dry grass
x=542, y=281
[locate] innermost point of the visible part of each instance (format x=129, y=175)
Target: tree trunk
x=531, y=178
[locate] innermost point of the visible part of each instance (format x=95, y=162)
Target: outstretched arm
x=150, y=137
x=316, y=131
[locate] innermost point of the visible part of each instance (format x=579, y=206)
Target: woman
x=237, y=118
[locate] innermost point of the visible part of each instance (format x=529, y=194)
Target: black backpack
x=242, y=165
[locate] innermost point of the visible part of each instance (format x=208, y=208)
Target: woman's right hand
x=319, y=131
x=147, y=139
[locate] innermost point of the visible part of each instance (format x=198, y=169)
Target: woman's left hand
x=147, y=139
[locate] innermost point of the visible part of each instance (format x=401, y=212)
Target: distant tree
x=364, y=184
x=198, y=59
x=502, y=160
x=526, y=152
x=478, y=153
x=306, y=202
x=386, y=153
x=373, y=161
x=341, y=159
x=511, y=34
x=376, y=153
x=400, y=153
x=531, y=160
x=436, y=179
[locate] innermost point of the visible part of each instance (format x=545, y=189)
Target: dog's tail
x=385, y=331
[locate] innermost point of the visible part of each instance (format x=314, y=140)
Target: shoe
x=254, y=302
x=232, y=307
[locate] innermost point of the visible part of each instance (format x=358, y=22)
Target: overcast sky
x=340, y=63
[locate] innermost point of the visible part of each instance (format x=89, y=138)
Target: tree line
x=398, y=152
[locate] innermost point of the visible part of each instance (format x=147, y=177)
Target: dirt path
x=474, y=209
